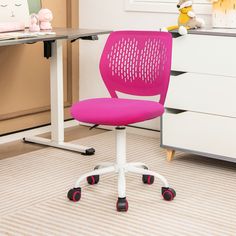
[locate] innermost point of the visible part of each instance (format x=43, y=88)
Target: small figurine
x=45, y=17
x=34, y=23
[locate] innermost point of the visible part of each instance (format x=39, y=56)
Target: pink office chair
x=135, y=63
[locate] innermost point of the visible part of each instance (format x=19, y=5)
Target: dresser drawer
x=203, y=93
x=200, y=133
x=205, y=54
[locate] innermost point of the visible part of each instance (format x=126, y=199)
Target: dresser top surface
x=212, y=31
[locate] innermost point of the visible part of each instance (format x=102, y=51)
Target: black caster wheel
x=74, y=194
x=94, y=179
x=122, y=204
x=148, y=179
x=168, y=193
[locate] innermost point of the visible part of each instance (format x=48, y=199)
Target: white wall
x=110, y=14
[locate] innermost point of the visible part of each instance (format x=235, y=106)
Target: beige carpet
x=33, y=190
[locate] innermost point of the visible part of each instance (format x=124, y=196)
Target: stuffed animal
x=45, y=17
x=187, y=18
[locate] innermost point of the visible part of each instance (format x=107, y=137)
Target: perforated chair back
x=137, y=63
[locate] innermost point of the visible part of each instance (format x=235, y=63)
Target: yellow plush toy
x=187, y=18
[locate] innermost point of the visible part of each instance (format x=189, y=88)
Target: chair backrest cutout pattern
x=137, y=62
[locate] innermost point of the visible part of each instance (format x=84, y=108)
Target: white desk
x=53, y=51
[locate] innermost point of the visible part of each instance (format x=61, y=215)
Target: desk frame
x=53, y=50
x=57, y=106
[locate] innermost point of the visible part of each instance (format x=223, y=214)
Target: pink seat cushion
x=115, y=111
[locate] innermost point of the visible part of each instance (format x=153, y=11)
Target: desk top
x=72, y=33
x=60, y=33
x=212, y=31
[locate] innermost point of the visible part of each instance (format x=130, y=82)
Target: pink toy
x=34, y=23
x=45, y=17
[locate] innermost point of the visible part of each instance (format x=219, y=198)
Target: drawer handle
x=177, y=73
x=174, y=111
x=176, y=35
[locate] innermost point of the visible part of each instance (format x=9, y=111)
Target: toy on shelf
x=34, y=23
x=187, y=18
x=224, y=13
x=45, y=17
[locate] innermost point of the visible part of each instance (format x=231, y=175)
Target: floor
x=34, y=187
x=19, y=147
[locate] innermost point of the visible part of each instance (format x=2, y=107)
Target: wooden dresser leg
x=170, y=154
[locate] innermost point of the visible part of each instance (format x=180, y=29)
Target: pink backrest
x=137, y=63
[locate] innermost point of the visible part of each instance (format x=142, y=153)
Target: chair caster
x=122, y=204
x=94, y=179
x=168, y=193
x=148, y=179
x=74, y=194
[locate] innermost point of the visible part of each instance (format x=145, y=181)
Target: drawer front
x=200, y=132
x=203, y=93
x=205, y=54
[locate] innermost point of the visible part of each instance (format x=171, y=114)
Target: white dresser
x=200, y=106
